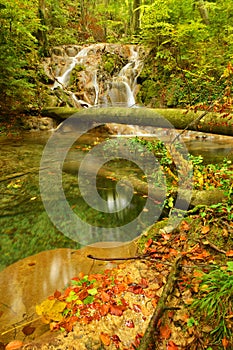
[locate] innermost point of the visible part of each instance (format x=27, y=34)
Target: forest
x=189, y=45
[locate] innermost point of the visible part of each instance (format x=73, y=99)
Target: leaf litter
x=112, y=309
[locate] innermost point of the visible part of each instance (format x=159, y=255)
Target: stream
x=25, y=226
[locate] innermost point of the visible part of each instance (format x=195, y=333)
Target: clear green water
x=25, y=228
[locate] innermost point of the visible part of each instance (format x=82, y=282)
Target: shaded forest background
x=189, y=45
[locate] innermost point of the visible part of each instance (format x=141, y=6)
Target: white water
x=120, y=90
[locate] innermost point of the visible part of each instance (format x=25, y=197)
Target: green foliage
x=188, y=54
x=214, y=301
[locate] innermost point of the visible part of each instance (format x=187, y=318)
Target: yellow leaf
x=51, y=309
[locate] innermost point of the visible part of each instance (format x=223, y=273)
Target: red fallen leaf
x=129, y=323
x=229, y=253
x=27, y=330
x=67, y=292
x=117, y=310
x=172, y=346
x=83, y=294
x=105, y=338
x=148, y=243
x=116, y=340
x=143, y=283
x=165, y=331
x=104, y=309
x=135, y=289
x=14, y=345
x=57, y=294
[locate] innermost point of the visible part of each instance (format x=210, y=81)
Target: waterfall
x=94, y=85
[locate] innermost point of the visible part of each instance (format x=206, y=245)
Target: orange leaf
x=105, y=338
x=172, y=346
x=116, y=310
x=205, y=229
x=165, y=332
x=225, y=342
x=229, y=253
x=13, y=345
x=148, y=243
x=105, y=296
x=104, y=309
x=184, y=226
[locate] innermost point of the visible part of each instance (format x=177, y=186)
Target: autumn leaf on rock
x=51, y=309
x=117, y=310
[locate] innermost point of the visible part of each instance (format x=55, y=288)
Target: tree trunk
x=164, y=118
x=203, y=12
x=136, y=16
x=41, y=34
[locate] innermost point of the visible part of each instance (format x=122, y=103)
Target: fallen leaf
x=105, y=338
x=129, y=324
x=148, y=243
x=184, y=226
x=13, y=345
x=205, y=229
x=172, y=346
x=165, y=331
x=225, y=342
x=117, y=310
x=27, y=330
x=57, y=294
x=51, y=309
x=229, y=253
x=105, y=296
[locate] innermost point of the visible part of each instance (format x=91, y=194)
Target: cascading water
x=95, y=85
x=101, y=75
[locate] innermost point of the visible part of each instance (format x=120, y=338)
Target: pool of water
x=25, y=227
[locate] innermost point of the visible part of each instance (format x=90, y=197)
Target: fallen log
x=149, y=339
x=159, y=118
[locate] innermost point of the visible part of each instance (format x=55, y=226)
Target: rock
x=38, y=123
x=31, y=280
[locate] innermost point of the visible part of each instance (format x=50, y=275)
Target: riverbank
x=204, y=244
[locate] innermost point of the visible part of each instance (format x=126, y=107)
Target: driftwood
x=149, y=339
